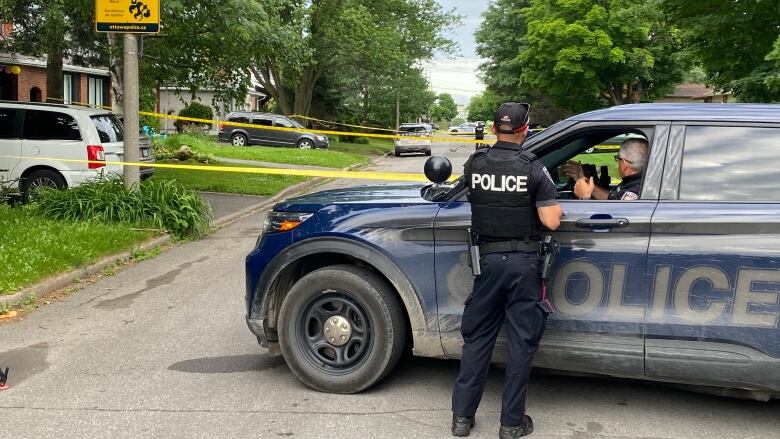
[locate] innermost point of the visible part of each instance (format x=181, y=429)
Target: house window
x=95, y=91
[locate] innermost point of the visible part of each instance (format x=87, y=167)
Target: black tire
x=428, y=153
x=239, y=140
x=43, y=178
x=305, y=144
x=397, y=154
x=353, y=294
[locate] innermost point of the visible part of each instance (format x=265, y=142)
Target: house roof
x=31, y=61
x=693, y=90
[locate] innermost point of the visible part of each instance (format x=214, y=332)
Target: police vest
x=500, y=196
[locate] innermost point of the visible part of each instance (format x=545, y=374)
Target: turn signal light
x=277, y=222
x=95, y=153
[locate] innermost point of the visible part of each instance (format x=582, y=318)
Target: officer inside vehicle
x=632, y=160
x=511, y=196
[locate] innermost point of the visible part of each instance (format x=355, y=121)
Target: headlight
x=284, y=221
x=322, y=138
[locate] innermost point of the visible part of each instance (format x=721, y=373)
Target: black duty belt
x=509, y=246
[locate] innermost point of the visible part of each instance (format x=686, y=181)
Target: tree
x=369, y=39
x=40, y=28
x=501, y=37
x=483, y=106
x=444, y=108
x=736, y=42
x=587, y=53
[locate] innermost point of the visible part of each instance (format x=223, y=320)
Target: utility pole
x=131, y=153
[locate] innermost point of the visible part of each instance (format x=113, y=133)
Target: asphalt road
x=161, y=350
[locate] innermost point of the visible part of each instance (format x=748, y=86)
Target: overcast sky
x=458, y=76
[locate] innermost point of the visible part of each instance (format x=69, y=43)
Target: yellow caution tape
x=360, y=175
x=275, y=128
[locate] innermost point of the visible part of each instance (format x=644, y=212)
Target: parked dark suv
x=244, y=136
x=681, y=285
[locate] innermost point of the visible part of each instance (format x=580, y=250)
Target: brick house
x=80, y=84
x=695, y=93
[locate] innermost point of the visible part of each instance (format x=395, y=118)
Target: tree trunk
x=115, y=69
x=305, y=90
x=54, y=78
x=397, y=109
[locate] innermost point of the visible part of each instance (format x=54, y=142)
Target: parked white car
x=415, y=137
x=464, y=128
x=37, y=139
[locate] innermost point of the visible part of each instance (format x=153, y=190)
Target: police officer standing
x=511, y=195
x=479, y=134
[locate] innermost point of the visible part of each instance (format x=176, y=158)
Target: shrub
x=162, y=204
x=195, y=110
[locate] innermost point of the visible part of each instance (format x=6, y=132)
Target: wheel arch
x=302, y=258
x=34, y=168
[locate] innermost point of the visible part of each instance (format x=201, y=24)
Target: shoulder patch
x=629, y=196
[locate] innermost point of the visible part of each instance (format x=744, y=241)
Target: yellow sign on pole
x=127, y=16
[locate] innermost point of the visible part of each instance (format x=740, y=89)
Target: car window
x=49, y=125
x=595, y=150
x=239, y=119
x=730, y=164
x=284, y=122
x=264, y=121
x=108, y=127
x=412, y=129
x=7, y=122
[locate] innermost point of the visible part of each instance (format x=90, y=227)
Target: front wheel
x=305, y=144
x=341, y=329
x=239, y=140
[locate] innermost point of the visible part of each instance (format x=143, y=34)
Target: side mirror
x=438, y=169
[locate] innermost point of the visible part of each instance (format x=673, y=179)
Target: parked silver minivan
x=244, y=136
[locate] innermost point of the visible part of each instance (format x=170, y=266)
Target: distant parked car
x=418, y=134
x=245, y=136
x=464, y=128
x=36, y=140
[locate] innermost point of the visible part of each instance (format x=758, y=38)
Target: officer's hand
x=583, y=189
x=573, y=170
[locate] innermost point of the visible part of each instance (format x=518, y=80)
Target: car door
x=10, y=144
x=51, y=135
x=283, y=137
x=713, y=259
x=598, y=281
x=260, y=135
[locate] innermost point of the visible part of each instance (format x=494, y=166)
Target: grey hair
x=635, y=150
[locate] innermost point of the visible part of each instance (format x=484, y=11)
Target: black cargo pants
x=509, y=289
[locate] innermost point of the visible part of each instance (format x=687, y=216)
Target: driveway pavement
x=161, y=350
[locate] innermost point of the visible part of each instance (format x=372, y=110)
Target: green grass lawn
x=229, y=182
x=33, y=248
x=339, y=156
x=374, y=147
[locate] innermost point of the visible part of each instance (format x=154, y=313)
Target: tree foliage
x=444, y=108
x=586, y=53
x=483, y=106
x=736, y=41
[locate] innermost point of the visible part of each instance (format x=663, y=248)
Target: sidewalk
x=227, y=204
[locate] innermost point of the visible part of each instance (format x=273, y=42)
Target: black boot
x=462, y=425
x=516, y=431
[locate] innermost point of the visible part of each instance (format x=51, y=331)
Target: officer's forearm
x=599, y=193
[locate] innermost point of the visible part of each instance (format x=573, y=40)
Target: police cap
x=511, y=117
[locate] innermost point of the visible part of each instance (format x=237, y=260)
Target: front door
x=598, y=281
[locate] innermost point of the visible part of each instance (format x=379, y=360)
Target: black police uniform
x=506, y=185
x=628, y=189
x=479, y=134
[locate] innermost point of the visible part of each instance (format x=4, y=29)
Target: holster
x=476, y=270
x=547, y=252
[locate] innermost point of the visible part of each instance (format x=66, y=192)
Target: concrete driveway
x=162, y=350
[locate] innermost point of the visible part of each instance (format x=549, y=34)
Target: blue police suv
x=681, y=285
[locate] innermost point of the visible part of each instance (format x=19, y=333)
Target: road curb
x=60, y=281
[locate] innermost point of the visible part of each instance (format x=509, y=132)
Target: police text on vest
x=506, y=183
